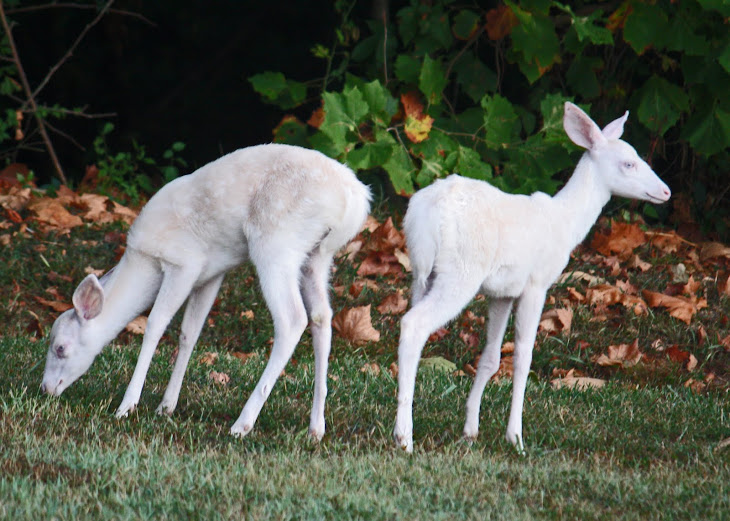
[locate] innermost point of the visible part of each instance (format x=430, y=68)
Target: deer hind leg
x=279, y=277
x=314, y=285
x=199, y=303
x=499, y=312
x=448, y=295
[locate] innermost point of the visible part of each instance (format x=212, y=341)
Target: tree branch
x=73, y=5
x=71, y=49
x=31, y=100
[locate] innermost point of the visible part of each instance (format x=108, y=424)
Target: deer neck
x=127, y=293
x=581, y=200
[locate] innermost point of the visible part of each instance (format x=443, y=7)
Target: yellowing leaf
x=417, y=129
x=355, y=325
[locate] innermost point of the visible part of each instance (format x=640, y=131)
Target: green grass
x=643, y=447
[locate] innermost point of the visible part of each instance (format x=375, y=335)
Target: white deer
x=466, y=236
x=286, y=209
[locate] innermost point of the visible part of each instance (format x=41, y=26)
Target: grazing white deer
x=285, y=208
x=466, y=236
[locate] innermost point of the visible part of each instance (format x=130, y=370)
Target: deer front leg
x=527, y=318
x=199, y=303
x=499, y=311
x=176, y=286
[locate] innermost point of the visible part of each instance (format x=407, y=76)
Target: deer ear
x=581, y=129
x=88, y=298
x=615, y=129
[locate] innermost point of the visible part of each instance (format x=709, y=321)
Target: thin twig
x=71, y=49
x=31, y=100
x=65, y=135
x=72, y=5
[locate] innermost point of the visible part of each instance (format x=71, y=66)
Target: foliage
x=445, y=87
x=128, y=174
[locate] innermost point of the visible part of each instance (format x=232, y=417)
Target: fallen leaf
x=219, y=378
x=403, y=259
x=556, y=321
x=383, y=264
x=571, y=276
x=625, y=355
x=581, y=383
x=89, y=270
x=609, y=295
x=208, y=358
x=137, y=326
x=386, y=238
x=393, y=304
x=691, y=363
x=393, y=370
x=622, y=239
x=667, y=242
x=370, y=368
x=244, y=357
x=697, y=386
x=359, y=284
x=470, y=338
x=439, y=334
x=723, y=444
x=635, y=262
x=711, y=250
x=505, y=369
x=52, y=213
x=55, y=305
x=508, y=347
x=438, y=363
x=681, y=308
x=355, y=325
x=470, y=370
x=248, y=314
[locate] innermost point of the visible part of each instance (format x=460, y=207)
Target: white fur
x=285, y=208
x=466, y=236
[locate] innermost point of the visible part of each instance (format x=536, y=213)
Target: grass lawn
x=647, y=445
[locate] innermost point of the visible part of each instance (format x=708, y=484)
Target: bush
x=445, y=88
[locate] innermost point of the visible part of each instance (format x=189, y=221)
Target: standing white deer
x=466, y=236
x=285, y=208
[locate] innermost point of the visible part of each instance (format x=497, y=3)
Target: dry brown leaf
x=370, y=368
x=691, y=363
x=621, y=240
x=506, y=368
x=570, y=276
x=393, y=304
x=609, y=295
x=556, y=321
x=355, y=325
x=500, y=22
x=52, y=213
x=359, y=284
x=16, y=199
x=208, y=358
x=244, y=357
x=248, y=314
x=681, y=308
x=386, y=238
x=393, y=370
x=470, y=337
x=438, y=334
x=714, y=249
x=667, y=242
x=219, y=378
x=581, y=383
x=55, y=305
x=508, y=347
x=96, y=208
x=137, y=326
x=383, y=264
x=123, y=213
x=403, y=259
x=635, y=262
x=625, y=355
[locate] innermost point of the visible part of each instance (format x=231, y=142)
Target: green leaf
x=470, y=164
x=581, y=76
x=276, y=89
x=342, y=114
x=708, y=129
x=465, y=23
x=661, y=104
x=437, y=363
x=586, y=29
x=474, y=77
x=535, y=40
x=501, y=123
x=645, y=26
x=724, y=58
x=552, y=109
x=432, y=80
x=382, y=105
x=370, y=155
x=407, y=68
x=400, y=170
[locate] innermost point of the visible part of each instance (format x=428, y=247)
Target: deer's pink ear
x=581, y=129
x=88, y=298
x=615, y=129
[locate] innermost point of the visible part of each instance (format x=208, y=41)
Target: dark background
x=182, y=79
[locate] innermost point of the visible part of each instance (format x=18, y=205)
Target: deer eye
x=61, y=351
x=629, y=165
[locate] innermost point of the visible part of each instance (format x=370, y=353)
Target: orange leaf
x=714, y=249
x=244, y=357
x=609, y=295
x=355, y=325
x=393, y=304
x=417, y=129
x=681, y=308
x=556, y=321
x=137, y=326
x=625, y=355
x=500, y=22
x=621, y=240
x=208, y=358
x=54, y=304
x=581, y=383
x=51, y=212
x=386, y=238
